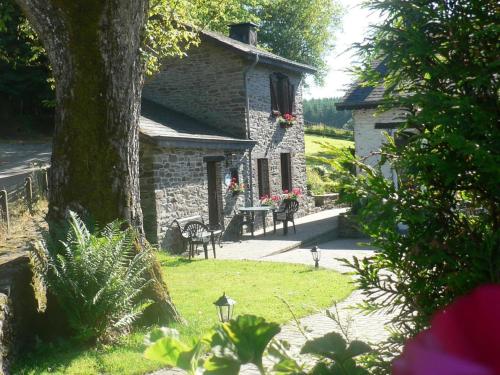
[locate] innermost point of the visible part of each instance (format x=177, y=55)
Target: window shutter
x=291, y=100
x=273, y=80
x=284, y=95
x=263, y=177
x=286, y=172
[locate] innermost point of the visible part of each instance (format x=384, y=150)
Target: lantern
x=316, y=255
x=225, y=307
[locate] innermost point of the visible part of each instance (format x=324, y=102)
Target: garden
x=435, y=225
x=277, y=292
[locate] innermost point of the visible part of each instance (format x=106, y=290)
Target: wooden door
x=213, y=199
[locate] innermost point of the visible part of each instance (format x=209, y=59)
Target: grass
x=317, y=145
x=321, y=176
x=329, y=131
x=194, y=286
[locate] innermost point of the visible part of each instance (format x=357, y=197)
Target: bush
x=438, y=230
x=97, y=278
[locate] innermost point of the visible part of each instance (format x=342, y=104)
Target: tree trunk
x=94, y=51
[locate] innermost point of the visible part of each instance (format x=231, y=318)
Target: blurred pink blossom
x=464, y=339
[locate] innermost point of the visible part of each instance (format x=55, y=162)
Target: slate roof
x=361, y=97
x=265, y=57
x=169, y=128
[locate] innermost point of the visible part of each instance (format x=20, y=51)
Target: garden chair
x=198, y=233
x=285, y=214
x=244, y=218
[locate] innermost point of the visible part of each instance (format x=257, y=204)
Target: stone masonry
x=208, y=85
x=368, y=140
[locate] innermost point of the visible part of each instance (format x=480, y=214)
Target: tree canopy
x=323, y=111
x=306, y=36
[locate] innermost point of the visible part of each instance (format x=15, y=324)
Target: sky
x=354, y=28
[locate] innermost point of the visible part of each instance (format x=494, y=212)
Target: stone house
x=213, y=116
x=371, y=124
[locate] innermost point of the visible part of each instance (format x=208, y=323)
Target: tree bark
x=94, y=51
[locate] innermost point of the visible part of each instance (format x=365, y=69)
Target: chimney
x=244, y=32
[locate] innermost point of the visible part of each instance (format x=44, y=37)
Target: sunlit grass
x=194, y=286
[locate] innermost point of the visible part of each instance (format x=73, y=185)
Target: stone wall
x=272, y=139
x=207, y=85
x=18, y=308
x=174, y=185
x=367, y=138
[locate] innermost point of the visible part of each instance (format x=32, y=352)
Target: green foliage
x=96, y=278
x=222, y=351
x=301, y=30
x=444, y=57
x=332, y=346
x=327, y=165
x=24, y=72
x=244, y=340
x=323, y=111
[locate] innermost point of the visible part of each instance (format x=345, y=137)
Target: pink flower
x=464, y=339
x=285, y=191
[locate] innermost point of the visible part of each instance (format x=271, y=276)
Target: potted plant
x=292, y=195
x=287, y=120
x=235, y=188
x=267, y=200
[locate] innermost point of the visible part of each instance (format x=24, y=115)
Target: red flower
x=464, y=339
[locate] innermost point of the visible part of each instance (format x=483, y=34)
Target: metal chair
x=285, y=214
x=245, y=218
x=198, y=233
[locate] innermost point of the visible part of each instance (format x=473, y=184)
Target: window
x=286, y=172
x=282, y=94
x=235, y=175
x=263, y=177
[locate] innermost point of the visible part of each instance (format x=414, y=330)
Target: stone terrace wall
x=174, y=186
x=272, y=139
x=206, y=85
x=18, y=308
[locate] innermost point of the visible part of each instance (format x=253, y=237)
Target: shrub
x=441, y=64
x=97, y=278
x=246, y=339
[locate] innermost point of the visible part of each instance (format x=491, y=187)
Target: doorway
x=214, y=200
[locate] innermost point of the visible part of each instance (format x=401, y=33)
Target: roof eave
x=281, y=64
x=359, y=105
x=189, y=142
x=298, y=67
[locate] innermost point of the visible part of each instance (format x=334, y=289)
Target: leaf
x=247, y=335
x=358, y=348
x=170, y=351
x=328, y=345
x=285, y=364
x=222, y=365
x=288, y=367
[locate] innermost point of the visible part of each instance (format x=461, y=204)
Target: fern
x=97, y=278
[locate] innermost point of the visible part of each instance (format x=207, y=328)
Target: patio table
x=253, y=210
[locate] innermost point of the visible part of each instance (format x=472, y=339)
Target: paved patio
x=320, y=226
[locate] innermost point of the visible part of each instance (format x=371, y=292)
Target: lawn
x=316, y=144
x=321, y=176
x=194, y=286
